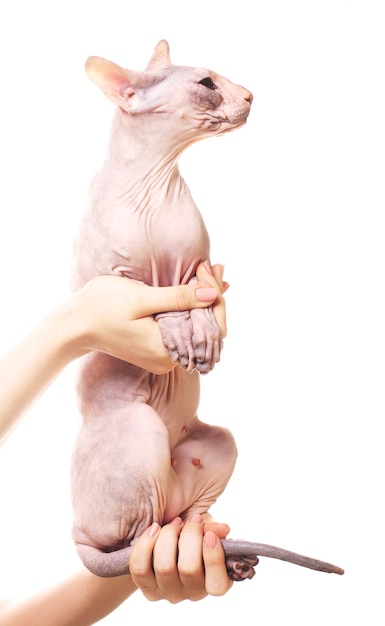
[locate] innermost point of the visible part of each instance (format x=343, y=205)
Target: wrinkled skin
x=142, y=454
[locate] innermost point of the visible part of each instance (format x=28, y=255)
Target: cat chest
x=165, y=247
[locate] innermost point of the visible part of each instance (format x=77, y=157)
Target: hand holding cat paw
x=194, y=339
x=209, y=329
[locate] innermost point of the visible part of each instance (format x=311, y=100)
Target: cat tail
x=105, y=564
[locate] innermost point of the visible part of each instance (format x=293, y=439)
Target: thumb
x=175, y=298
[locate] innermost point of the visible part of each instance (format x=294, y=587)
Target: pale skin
x=181, y=560
x=140, y=432
x=108, y=315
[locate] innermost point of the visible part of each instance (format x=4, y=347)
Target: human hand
x=194, y=340
x=115, y=315
x=213, y=277
x=181, y=561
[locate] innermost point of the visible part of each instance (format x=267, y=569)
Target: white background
x=294, y=204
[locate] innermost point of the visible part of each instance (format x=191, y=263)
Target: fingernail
x=177, y=521
x=153, y=529
x=210, y=539
x=196, y=518
x=206, y=294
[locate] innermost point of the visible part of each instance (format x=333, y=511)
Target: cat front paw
x=192, y=338
x=206, y=339
x=176, y=331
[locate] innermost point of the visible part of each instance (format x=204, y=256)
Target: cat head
x=191, y=96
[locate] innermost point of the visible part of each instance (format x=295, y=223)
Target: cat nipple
x=196, y=461
x=173, y=462
x=186, y=429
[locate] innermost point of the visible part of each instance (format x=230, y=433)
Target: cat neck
x=146, y=144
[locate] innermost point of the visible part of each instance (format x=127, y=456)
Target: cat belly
x=105, y=383
x=122, y=475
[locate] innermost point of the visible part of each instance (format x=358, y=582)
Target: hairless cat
x=142, y=454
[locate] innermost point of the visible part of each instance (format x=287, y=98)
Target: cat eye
x=207, y=82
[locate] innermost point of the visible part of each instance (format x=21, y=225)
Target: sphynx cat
x=142, y=454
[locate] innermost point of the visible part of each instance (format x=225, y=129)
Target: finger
x=221, y=530
x=217, y=271
x=165, y=562
x=217, y=580
x=153, y=300
x=190, y=563
x=213, y=276
x=140, y=564
x=219, y=310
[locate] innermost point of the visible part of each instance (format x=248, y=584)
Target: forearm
x=82, y=600
x=109, y=314
x=29, y=368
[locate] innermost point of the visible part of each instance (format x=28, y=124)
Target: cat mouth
x=230, y=123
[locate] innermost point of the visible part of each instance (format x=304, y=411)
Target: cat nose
x=249, y=97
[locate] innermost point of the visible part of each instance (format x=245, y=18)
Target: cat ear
x=116, y=82
x=160, y=59
x=110, y=78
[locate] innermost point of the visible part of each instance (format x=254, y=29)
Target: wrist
x=69, y=329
